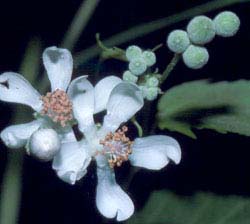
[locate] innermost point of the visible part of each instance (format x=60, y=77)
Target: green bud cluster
x=201, y=30
x=150, y=86
x=139, y=60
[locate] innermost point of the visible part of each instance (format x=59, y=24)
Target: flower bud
x=151, y=93
x=129, y=77
x=133, y=52
x=152, y=82
x=178, y=41
x=149, y=57
x=44, y=144
x=137, y=66
x=201, y=30
x=226, y=24
x=195, y=57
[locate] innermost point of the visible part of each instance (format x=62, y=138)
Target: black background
x=214, y=162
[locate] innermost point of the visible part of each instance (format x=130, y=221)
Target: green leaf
x=167, y=208
x=223, y=107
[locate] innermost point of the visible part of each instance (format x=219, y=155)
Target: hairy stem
x=170, y=67
x=138, y=126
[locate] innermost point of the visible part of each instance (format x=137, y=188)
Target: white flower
x=55, y=108
x=110, y=147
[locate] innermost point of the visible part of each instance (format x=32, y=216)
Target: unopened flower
x=178, y=41
x=139, y=60
x=195, y=57
x=133, y=52
x=44, y=144
x=110, y=146
x=201, y=30
x=129, y=77
x=226, y=24
x=149, y=57
x=138, y=66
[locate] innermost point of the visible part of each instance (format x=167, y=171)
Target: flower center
x=117, y=147
x=57, y=106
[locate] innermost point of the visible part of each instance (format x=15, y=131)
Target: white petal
x=16, y=89
x=124, y=101
x=16, y=136
x=59, y=65
x=72, y=161
x=154, y=152
x=102, y=91
x=67, y=135
x=81, y=93
x=111, y=200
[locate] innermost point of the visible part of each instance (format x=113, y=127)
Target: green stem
x=138, y=126
x=11, y=189
x=157, y=47
x=113, y=52
x=12, y=179
x=79, y=23
x=170, y=67
x=149, y=27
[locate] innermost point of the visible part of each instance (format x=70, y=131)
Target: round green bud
x=149, y=57
x=152, y=82
x=195, y=57
x=129, y=77
x=151, y=93
x=143, y=90
x=201, y=30
x=133, y=52
x=178, y=41
x=137, y=66
x=226, y=24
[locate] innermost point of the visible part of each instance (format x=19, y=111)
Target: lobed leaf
x=164, y=207
x=223, y=107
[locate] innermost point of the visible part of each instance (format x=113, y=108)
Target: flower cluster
x=50, y=136
x=51, y=111
x=139, y=62
x=201, y=30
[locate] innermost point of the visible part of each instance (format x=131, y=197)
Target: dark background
x=214, y=162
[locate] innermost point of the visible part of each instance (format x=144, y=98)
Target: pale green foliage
x=164, y=207
x=223, y=107
x=201, y=30
x=226, y=24
x=133, y=52
x=129, y=77
x=178, y=41
x=195, y=57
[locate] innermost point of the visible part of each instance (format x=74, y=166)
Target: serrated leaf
x=222, y=106
x=164, y=207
